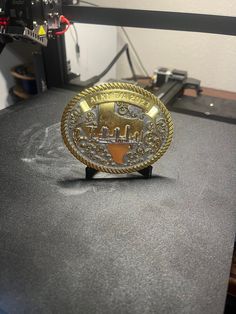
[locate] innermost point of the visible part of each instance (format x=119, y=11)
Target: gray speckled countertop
x=113, y=245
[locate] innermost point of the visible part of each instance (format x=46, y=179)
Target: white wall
x=208, y=57
x=221, y=7
x=98, y=46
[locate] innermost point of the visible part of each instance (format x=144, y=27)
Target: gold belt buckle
x=116, y=128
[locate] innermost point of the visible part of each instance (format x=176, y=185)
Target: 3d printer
x=45, y=21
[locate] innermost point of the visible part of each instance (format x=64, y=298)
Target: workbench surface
x=113, y=245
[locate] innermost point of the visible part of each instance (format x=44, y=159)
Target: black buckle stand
x=145, y=172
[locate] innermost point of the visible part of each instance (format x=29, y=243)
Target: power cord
x=128, y=38
x=77, y=47
x=93, y=80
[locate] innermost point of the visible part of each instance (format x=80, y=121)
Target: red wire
x=63, y=20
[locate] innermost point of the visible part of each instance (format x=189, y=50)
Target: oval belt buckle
x=116, y=128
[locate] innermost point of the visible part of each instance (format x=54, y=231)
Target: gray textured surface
x=123, y=245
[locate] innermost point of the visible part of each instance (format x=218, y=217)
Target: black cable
x=134, y=50
x=130, y=63
x=93, y=80
x=75, y=39
x=127, y=37
x=89, y=3
x=125, y=48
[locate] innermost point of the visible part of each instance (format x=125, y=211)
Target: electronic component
x=34, y=20
x=168, y=85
